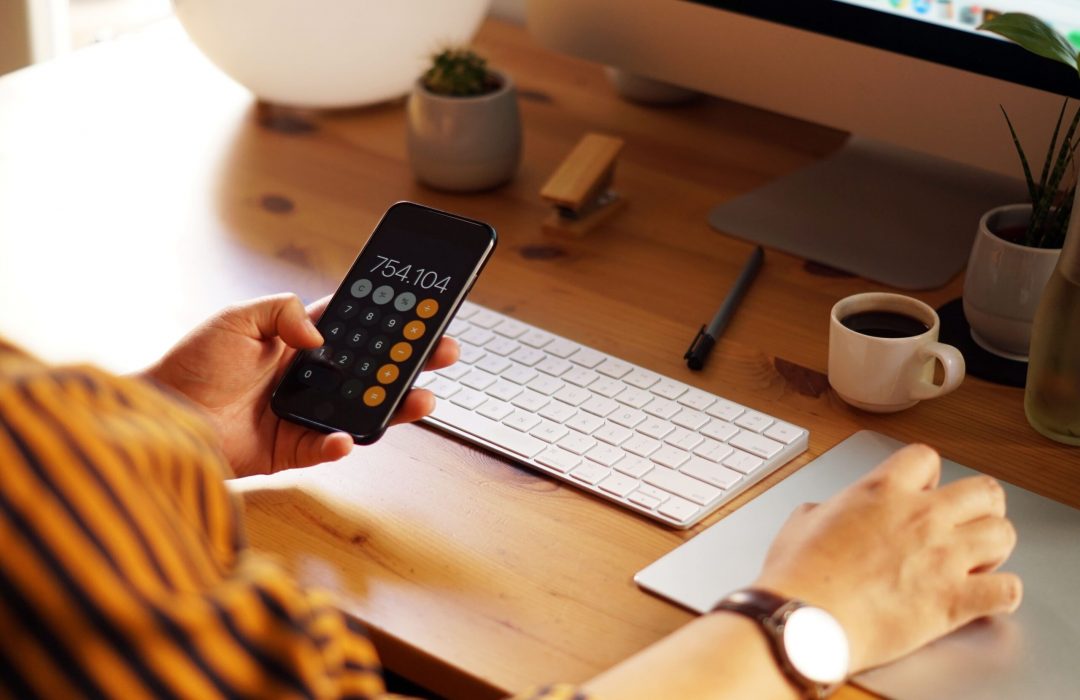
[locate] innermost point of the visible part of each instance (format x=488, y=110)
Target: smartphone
x=384, y=320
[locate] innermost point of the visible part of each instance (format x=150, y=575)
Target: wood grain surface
x=140, y=190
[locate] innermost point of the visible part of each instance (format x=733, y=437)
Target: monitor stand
x=884, y=213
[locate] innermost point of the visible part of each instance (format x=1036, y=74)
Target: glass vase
x=1052, y=394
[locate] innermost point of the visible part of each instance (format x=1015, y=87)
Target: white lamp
x=327, y=53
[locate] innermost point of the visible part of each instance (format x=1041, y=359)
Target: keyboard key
x=599, y=406
x=469, y=399
x=424, y=379
x=669, y=389
x=681, y=485
x=575, y=396
x=536, y=338
x=642, y=446
x=752, y=420
x=470, y=353
x=486, y=319
x=457, y=327
x=605, y=454
x=607, y=387
x=662, y=408
x=455, y=371
x=710, y=473
x=591, y=473
x=756, y=444
x=554, y=366
x=520, y=375
x=587, y=357
x=510, y=328
x=530, y=401
x=522, y=420
x=546, y=385
x=784, y=432
x=504, y=390
x=697, y=399
x=712, y=450
x=613, y=434
x=579, y=376
x=558, y=411
x=560, y=347
x=658, y=495
x=637, y=398
x=549, y=431
x=618, y=484
x=684, y=439
x=443, y=388
x=742, y=462
x=690, y=419
x=493, y=364
x=527, y=356
x=725, y=410
x=467, y=310
x=478, y=336
x=495, y=409
x=642, y=379
x=645, y=500
x=636, y=467
x=679, y=509
x=670, y=457
x=585, y=423
x=478, y=379
x=627, y=417
x=496, y=433
x=577, y=443
x=616, y=369
x=655, y=428
x=719, y=430
x=502, y=346
x=559, y=460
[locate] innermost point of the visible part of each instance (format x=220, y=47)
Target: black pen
x=706, y=337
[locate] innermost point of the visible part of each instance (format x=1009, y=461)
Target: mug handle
x=951, y=361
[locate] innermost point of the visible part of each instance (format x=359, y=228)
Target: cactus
x=459, y=72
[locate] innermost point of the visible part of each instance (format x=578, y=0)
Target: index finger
x=911, y=468
x=316, y=309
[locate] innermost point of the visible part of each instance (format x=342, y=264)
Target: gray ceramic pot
x=464, y=144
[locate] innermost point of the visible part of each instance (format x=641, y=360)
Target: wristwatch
x=809, y=644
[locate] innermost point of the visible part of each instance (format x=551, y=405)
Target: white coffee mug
x=883, y=374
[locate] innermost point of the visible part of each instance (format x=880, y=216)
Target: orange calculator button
x=387, y=374
x=374, y=396
x=400, y=352
x=427, y=308
x=414, y=330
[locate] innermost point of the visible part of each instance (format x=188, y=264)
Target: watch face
x=816, y=645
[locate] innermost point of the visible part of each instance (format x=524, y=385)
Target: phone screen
x=383, y=321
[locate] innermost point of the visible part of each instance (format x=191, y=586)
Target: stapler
x=580, y=188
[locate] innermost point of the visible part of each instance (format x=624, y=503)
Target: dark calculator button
x=364, y=366
x=357, y=337
x=370, y=317
x=348, y=308
x=343, y=358
x=391, y=323
x=322, y=355
x=352, y=389
x=378, y=345
x=318, y=377
x=335, y=331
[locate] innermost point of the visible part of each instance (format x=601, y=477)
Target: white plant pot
x=1003, y=284
x=327, y=53
x=464, y=144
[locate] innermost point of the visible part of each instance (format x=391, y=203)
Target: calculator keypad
x=371, y=334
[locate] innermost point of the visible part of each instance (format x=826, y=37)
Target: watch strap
x=770, y=610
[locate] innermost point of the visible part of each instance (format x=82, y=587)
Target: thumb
x=281, y=315
x=300, y=447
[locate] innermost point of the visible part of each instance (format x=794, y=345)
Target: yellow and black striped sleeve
x=122, y=567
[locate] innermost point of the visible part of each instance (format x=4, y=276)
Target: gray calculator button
x=382, y=294
x=405, y=301
x=361, y=288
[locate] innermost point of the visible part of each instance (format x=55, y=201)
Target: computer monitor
x=916, y=85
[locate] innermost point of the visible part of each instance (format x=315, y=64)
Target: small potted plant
x=464, y=130
x=1018, y=245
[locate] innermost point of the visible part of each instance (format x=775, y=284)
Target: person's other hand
x=230, y=365
x=897, y=560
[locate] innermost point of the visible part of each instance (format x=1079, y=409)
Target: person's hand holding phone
x=230, y=364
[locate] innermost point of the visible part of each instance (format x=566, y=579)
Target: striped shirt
x=122, y=567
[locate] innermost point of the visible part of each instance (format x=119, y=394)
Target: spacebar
x=496, y=433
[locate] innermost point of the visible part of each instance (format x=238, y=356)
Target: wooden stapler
x=580, y=188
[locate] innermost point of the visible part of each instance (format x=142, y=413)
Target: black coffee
x=885, y=324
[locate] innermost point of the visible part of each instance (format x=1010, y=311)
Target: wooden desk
x=139, y=192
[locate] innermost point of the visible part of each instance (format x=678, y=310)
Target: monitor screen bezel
x=912, y=37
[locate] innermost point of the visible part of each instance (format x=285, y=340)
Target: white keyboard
x=651, y=444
